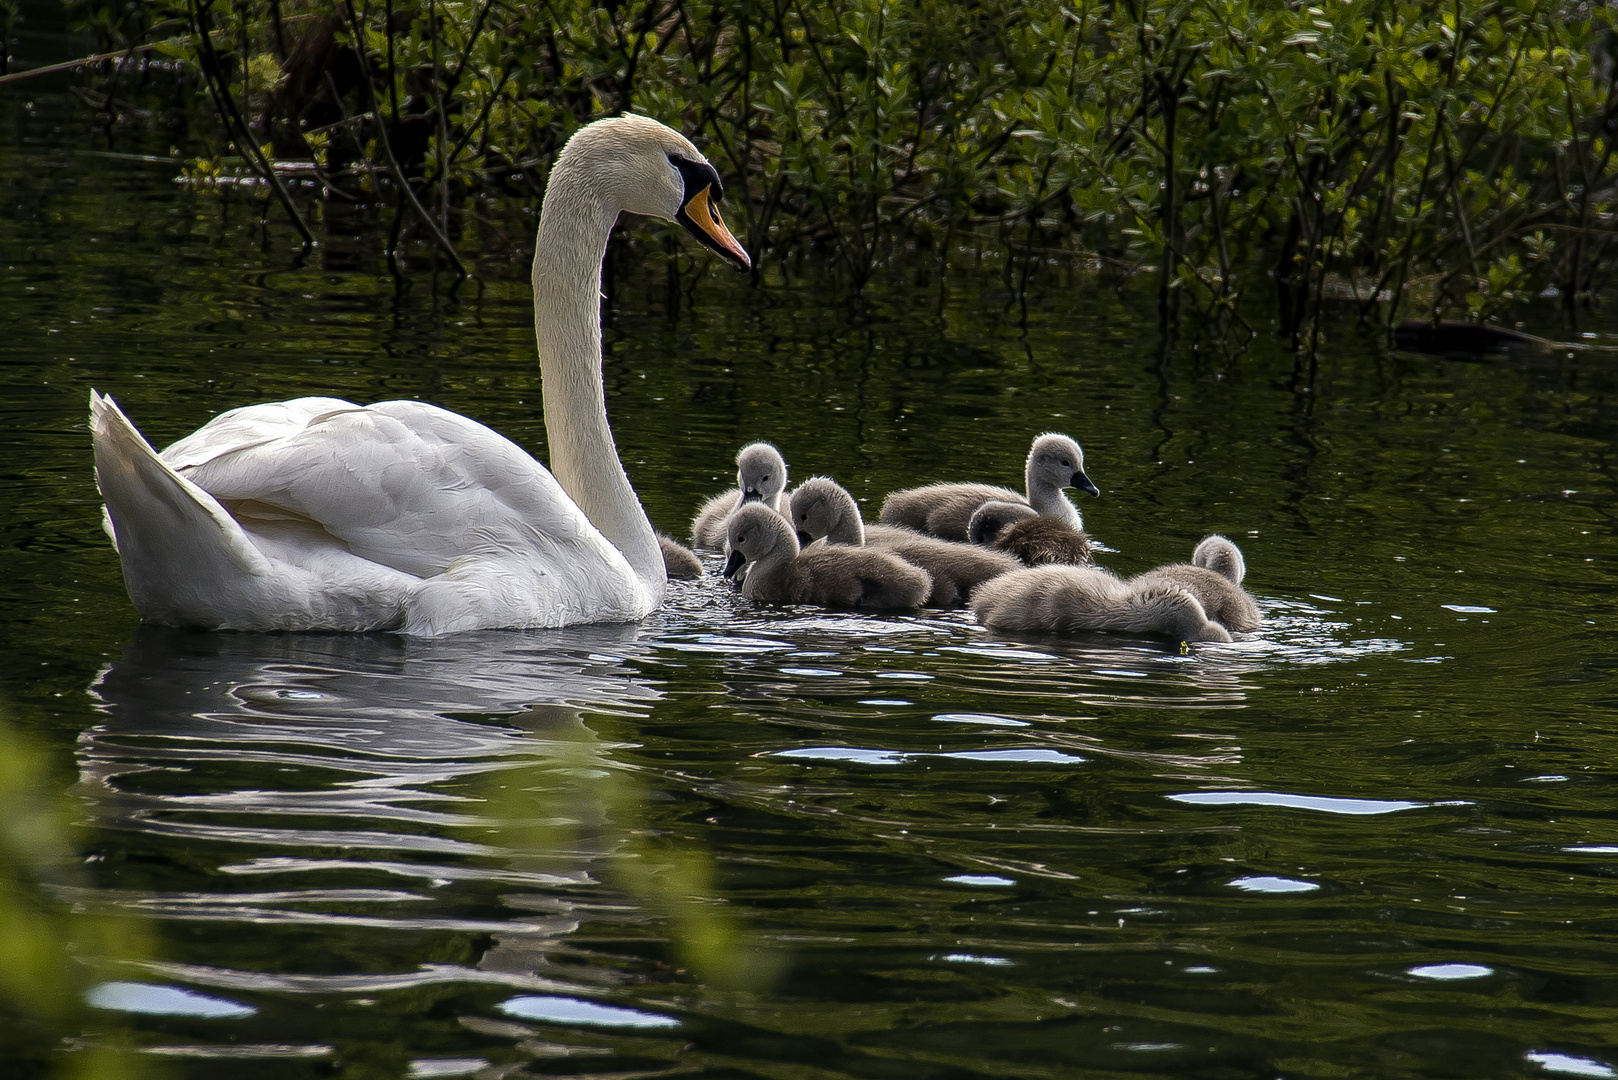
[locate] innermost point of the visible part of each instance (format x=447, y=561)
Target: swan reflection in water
x=470, y=784
x=382, y=704
x=462, y=767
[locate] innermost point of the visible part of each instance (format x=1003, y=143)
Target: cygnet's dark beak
x=804, y=539
x=751, y=495
x=1085, y=484
x=734, y=563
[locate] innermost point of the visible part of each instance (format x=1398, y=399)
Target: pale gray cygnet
x=761, y=476
x=820, y=507
x=944, y=510
x=1071, y=599
x=1221, y=556
x=1032, y=538
x=679, y=561
x=992, y=518
x=1214, y=576
x=778, y=572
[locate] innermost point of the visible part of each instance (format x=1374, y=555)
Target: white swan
x=317, y=514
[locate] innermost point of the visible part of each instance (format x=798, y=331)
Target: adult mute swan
x=318, y=514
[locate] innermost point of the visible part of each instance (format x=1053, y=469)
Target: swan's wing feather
x=250, y=425
x=416, y=488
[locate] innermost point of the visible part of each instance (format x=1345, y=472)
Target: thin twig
x=387, y=148
x=84, y=61
x=244, y=140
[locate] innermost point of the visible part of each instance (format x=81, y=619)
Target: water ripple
x=425, y=975
x=1324, y=803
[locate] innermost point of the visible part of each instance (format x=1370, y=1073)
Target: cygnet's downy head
x=821, y=507
x=649, y=168
x=1222, y=557
x=757, y=534
x=1056, y=461
x=993, y=518
x=761, y=473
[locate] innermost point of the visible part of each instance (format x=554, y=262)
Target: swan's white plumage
x=405, y=484
x=319, y=514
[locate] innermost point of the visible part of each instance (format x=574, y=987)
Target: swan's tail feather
x=181, y=550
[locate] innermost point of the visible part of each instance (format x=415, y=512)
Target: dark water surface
x=1379, y=838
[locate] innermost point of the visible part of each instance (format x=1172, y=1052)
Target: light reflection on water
x=327, y=766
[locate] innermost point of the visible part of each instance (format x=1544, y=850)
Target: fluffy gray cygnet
x=761, y=476
x=778, y=572
x=1070, y=599
x=679, y=561
x=820, y=507
x=1214, y=577
x=1221, y=556
x=944, y=510
x=1032, y=538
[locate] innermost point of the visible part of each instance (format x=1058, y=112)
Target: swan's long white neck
x=574, y=224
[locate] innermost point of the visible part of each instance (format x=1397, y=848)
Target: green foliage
x=578, y=807
x=51, y=947
x=1378, y=151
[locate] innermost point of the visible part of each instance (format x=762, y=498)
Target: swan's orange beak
x=701, y=219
